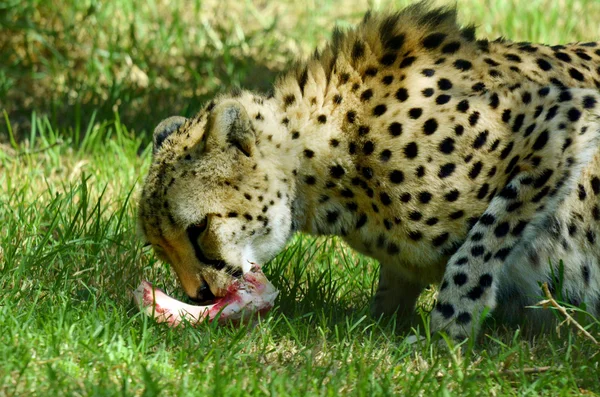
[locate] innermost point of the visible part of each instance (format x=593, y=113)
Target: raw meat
x=252, y=294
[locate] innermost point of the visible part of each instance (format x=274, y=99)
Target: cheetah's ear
x=231, y=120
x=164, y=129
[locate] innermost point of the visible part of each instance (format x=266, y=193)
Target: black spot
x=460, y=279
x=406, y=62
x=481, y=139
x=581, y=192
x=433, y=40
x=334, y=142
x=322, y=119
x=428, y=72
x=385, y=155
x=543, y=178
x=367, y=172
x=475, y=293
x=379, y=110
x=502, y=229
x=475, y=170
x=395, y=42
x=591, y=236
x=478, y=87
x=543, y=64
x=502, y=253
x=352, y=148
x=544, y=91
x=446, y=310
x=463, y=318
x=289, y=100
x=485, y=281
x=576, y=74
x=385, y=198
x=512, y=57
x=395, y=129
x=541, y=140
x=415, y=113
x=428, y=92
x=452, y=195
x=308, y=153
x=589, y=102
x=446, y=170
x=388, y=59
x=332, y=216
x=415, y=216
x=506, y=114
x=393, y=249
x=508, y=193
x=463, y=106
x=518, y=122
x=487, y=219
x=451, y=47
x=432, y=221
x=421, y=171
x=595, y=182
x=402, y=94
x=363, y=130
x=368, y=148
x=351, y=116
x=396, y=176
x=494, y=101
x=442, y=99
x=387, y=80
x=473, y=119
x=447, y=146
x=425, y=197
x=462, y=64
x=444, y=84
x=430, y=126
x=415, y=235
x=366, y=95
x=411, y=150
x=574, y=114
x=477, y=250
x=457, y=214
x=361, y=221
x=337, y=171
x=585, y=272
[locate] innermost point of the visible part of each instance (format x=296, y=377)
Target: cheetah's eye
x=195, y=230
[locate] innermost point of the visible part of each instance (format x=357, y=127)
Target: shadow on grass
x=140, y=109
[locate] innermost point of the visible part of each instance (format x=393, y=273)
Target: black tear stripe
x=193, y=235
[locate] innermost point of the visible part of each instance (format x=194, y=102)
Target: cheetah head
x=215, y=200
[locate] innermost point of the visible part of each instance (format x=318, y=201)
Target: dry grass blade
x=562, y=310
x=524, y=371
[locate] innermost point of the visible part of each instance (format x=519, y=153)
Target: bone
x=246, y=298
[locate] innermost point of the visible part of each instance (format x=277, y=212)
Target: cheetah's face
x=211, y=205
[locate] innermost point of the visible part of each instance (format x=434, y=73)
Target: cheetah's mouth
x=246, y=298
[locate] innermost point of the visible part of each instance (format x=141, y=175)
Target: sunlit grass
x=82, y=84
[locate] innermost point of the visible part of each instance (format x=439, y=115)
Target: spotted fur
x=469, y=163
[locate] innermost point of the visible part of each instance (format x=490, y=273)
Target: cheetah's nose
x=203, y=295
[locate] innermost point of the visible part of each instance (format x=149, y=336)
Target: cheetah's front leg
x=472, y=273
x=395, y=295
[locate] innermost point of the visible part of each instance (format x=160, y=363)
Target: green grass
x=81, y=85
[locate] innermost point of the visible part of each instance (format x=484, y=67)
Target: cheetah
x=451, y=160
